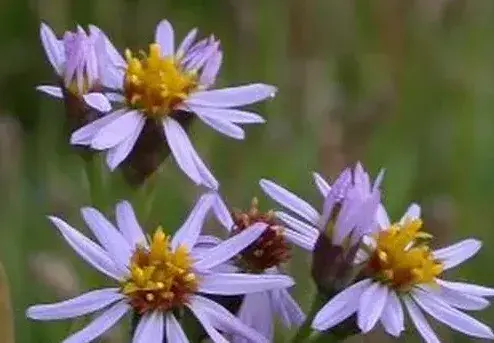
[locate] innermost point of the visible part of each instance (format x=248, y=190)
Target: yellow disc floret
x=402, y=258
x=156, y=84
x=160, y=279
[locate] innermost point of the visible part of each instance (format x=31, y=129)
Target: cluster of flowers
x=368, y=269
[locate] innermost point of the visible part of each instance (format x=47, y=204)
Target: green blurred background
x=405, y=85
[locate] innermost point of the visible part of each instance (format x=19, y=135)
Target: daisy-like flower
x=76, y=62
x=348, y=210
x=166, y=86
x=400, y=268
x=264, y=256
x=157, y=277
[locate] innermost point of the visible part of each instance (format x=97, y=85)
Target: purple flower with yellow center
x=76, y=62
x=265, y=256
x=347, y=215
x=157, y=278
x=400, y=269
x=167, y=86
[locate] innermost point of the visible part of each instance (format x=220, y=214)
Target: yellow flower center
x=159, y=278
x=402, y=257
x=156, y=84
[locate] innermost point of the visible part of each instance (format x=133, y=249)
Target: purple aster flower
x=349, y=208
x=157, y=276
x=400, y=269
x=264, y=257
x=166, y=86
x=76, y=62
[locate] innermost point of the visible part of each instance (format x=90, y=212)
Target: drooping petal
x=204, y=319
x=458, y=299
x=233, y=284
x=88, y=250
x=53, y=48
x=151, y=328
x=256, y=312
x=174, y=332
x=118, y=130
x=420, y=322
x=450, y=316
x=223, y=320
x=128, y=224
x=86, y=303
x=189, y=232
x=109, y=237
x=119, y=153
x=457, y=253
x=298, y=225
x=221, y=212
x=225, y=127
x=467, y=288
x=208, y=179
x=230, y=247
x=97, y=101
x=51, y=90
x=289, y=200
x=371, y=306
x=306, y=242
x=231, y=115
x=339, y=308
x=85, y=134
x=100, y=325
x=393, y=317
x=165, y=37
x=321, y=184
x=232, y=97
x=180, y=147
x=287, y=308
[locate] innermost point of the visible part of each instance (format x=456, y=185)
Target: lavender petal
x=393, y=317
x=51, y=90
x=128, y=224
x=88, y=250
x=97, y=101
x=457, y=253
x=86, y=303
x=165, y=37
x=420, y=322
x=339, y=308
x=151, y=328
x=85, y=134
x=101, y=324
x=53, y=48
x=233, y=284
x=371, y=306
x=230, y=247
x=289, y=200
x=174, y=332
x=117, y=130
x=119, y=153
x=189, y=232
x=232, y=97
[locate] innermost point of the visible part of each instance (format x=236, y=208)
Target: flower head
x=165, y=86
x=347, y=215
x=76, y=62
x=400, y=268
x=156, y=277
x=264, y=256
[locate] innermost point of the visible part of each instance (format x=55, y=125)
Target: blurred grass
x=403, y=85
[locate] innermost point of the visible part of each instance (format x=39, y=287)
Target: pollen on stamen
x=155, y=84
x=270, y=249
x=401, y=259
x=160, y=279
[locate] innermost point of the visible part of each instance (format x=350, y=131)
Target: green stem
x=95, y=180
x=305, y=331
